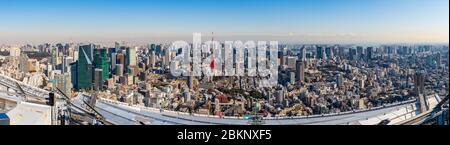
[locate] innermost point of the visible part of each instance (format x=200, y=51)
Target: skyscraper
x=152, y=47
x=419, y=82
x=291, y=62
x=54, y=58
x=65, y=65
x=167, y=57
x=329, y=52
x=23, y=63
x=130, y=56
x=339, y=80
x=101, y=62
x=152, y=58
x=292, y=77
x=14, y=52
x=112, y=57
x=74, y=74
x=319, y=53
x=300, y=71
x=119, y=69
x=120, y=58
x=85, y=67
x=113, y=61
x=438, y=59
x=359, y=53
x=352, y=54
x=111, y=51
x=64, y=83
x=341, y=51
x=282, y=59
x=98, y=79
x=369, y=53
x=303, y=53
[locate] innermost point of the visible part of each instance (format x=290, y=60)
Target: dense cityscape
x=312, y=80
x=224, y=62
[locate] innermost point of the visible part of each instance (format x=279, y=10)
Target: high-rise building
x=281, y=53
x=54, y=58
x=65, y=65
x=98, y=79
x=113, y=61
x=152, y=59
x=339, y=80
x=120, y=58
x=279, y=95
x=14, y=52
x=111, y=51
x=48, y=70
x=85, y=67
x=131, y=56
x=151, y=47
x=292, y=77
x=74, y=74
x=369, y=53
x=101, y=62
x=419, y=82
x=329, y=52
x=438, y=59
x=359, y=53
x=112, y=57
x=430, y=61
x=167, y=57
x=282, y=59
x=303, y=53
x=158, y=49
x=291, y=62
x=352, y=54
x=320, y=53
x=341, y=52
x=119, y=69
x=23, y=63
x=75, y=55
x=300, y=71
x=64, y=83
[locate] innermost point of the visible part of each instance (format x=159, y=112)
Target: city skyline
x=303, y=21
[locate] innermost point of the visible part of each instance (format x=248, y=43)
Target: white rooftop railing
x=152, y=109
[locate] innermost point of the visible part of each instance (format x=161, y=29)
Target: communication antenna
x=213, y=61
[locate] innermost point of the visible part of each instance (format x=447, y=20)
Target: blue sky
x=308, y=21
